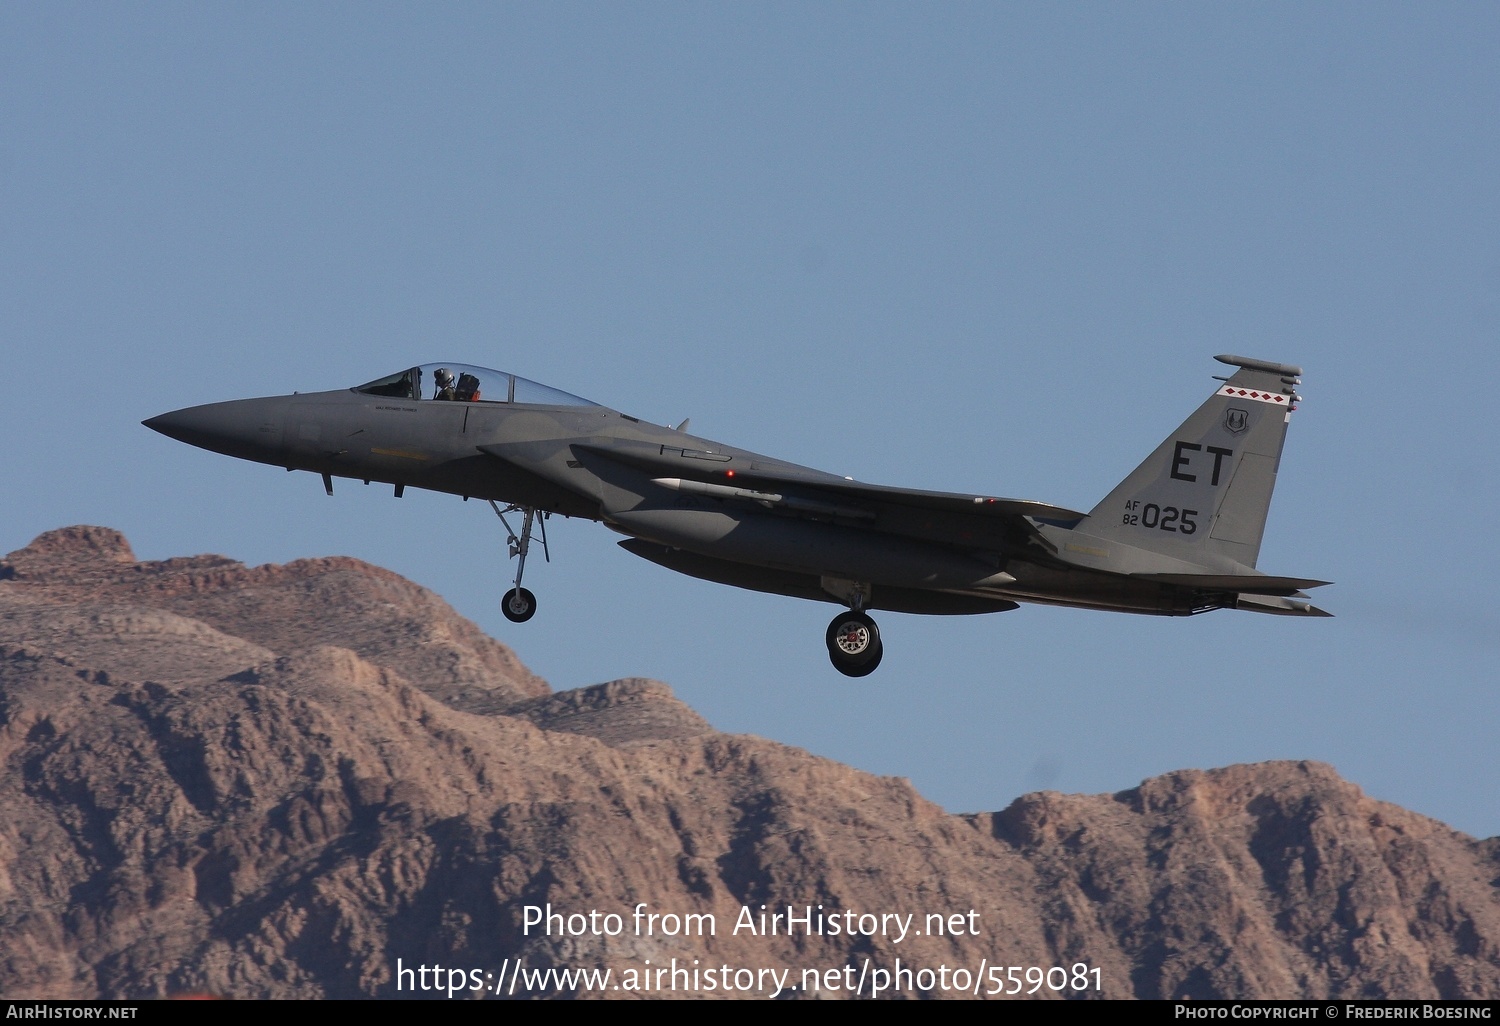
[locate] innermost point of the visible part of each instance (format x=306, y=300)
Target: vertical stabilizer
x=1203, y=495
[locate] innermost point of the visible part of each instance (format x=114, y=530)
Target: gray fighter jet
x=1179, y=536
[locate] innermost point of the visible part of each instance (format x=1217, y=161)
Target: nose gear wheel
x=518, y=605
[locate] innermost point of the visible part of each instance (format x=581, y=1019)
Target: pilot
x=444, y=379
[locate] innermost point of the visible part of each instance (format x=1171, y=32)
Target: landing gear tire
x=854, y=645
x=859, y=671
x=518, y=605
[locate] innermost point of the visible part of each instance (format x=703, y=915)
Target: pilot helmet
x=443, y=376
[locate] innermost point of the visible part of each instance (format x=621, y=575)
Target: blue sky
x=987, y=247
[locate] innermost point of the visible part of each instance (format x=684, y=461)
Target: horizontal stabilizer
x=1245, y=584
x=1281, y=606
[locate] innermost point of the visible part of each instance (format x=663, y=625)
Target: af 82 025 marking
x=1161, y=518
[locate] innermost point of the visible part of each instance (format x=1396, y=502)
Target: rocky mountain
x=318, y=780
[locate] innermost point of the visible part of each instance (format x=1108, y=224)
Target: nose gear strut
x=518, y=604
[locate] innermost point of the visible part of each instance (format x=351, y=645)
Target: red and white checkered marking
x=1274, y=398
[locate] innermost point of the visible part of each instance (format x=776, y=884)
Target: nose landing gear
x=519, y=604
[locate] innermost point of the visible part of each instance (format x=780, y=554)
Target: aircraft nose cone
x=248, y=428
x=197, y=425
x=170, y=424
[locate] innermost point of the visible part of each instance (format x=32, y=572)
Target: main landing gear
x=519, y=605
x=854, y=644
x=853, y=639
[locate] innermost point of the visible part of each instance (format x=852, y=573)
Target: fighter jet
x=1180, y=535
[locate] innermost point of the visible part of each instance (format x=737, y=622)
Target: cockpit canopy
x=459, y=382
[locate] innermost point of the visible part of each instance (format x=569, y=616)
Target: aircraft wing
x=721, y=470
x=951, y=502
x=728, y=476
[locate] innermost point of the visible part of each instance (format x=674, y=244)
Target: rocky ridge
x=276, y=781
